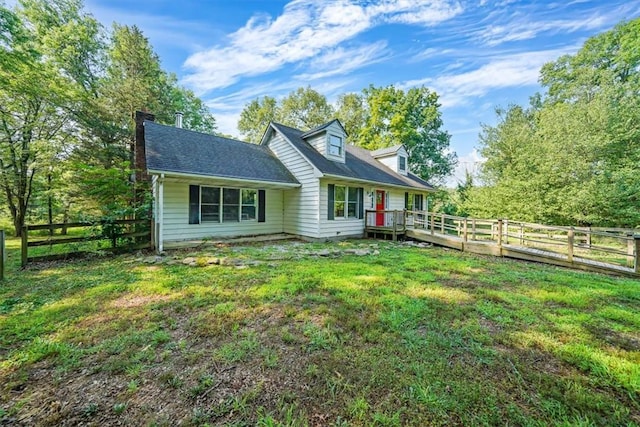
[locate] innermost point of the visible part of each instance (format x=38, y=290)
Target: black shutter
x=406, y=200
x=261, y=205
x=194, y=204
x=360, y=203
x=331, y=195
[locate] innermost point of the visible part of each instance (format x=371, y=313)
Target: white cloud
x=469, y=162
x=306, y=29
x=515, y=70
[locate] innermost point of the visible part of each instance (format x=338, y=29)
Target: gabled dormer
x=329, y=140
x=396, y=158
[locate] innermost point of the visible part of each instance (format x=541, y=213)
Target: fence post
x=395, y=224
x=521, y=234
x=433, y=223
x=24, y=249
x=631, y=246
x=473, y=229
x=570, y=239
x=506, y=229
x=589, y=237
x=442, y=223
x=3, y=255
x=636, y=239
x=464, y=230
x=499, y=232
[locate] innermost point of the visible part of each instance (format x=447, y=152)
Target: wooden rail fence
x=121, y=235
x=611, y=250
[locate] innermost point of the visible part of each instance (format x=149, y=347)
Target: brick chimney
x=139, y=159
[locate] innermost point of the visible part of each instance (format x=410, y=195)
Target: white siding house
x=308, y=184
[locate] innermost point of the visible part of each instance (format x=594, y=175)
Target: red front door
x=380, y=203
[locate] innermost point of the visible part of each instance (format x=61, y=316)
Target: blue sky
x=475, y=54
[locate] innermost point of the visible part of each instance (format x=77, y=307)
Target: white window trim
x=329, y=145
x=346, y=216
x=400, y=168
x=221, y=205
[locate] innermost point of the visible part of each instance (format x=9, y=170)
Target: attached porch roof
x=183, y=152
x=359, y=163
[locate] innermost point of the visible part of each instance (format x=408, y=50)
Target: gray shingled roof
x=359, y=163
x=385, y=151
x=171, y=149
x=321, y=128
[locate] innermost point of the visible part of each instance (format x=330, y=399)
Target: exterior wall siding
x=176, y=225
x=300, y=210
x=352, y=227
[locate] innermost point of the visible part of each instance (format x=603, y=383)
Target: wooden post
x=499, y=232
x=442, y=223
x=521, y=234
x=464, y=230
x=505, y=228
x=570, y=240
x=3, y=255
x=473, y=229
x=589, y=237
x=395, y=223
x=631, y=247
x=636, y=239
x=433, y=223
x=24, y=248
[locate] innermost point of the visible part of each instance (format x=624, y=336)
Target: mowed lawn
x=306, y=334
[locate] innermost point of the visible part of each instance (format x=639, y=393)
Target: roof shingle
x=359, y=163
x=171, y=149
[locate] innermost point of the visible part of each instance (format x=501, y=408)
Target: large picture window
x=347, y=202
x=219, y=204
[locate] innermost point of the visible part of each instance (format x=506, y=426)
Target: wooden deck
x=562, y=246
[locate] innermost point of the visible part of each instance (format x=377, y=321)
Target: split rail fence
x=88, y=237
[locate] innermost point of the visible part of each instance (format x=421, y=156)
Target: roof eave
x=385, y=184
x=169, y=174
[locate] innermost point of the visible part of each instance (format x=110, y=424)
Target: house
x=308, y=184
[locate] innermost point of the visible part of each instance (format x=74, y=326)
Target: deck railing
x=393, y=222
x=617, y=246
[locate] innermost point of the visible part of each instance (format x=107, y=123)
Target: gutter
x=169, y=174
x=345, y=178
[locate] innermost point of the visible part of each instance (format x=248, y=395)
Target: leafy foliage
x=569, y=157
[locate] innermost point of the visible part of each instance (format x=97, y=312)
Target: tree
x=352, y=113
x=413, y=119
x=255, y=118
x=303, y=109
x=33, y=120
x=569, y=158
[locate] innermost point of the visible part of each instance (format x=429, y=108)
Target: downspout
x=160, y=213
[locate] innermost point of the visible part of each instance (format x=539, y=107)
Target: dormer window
x=335, y=145
x=402, y=164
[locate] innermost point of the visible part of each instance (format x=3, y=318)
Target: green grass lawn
x=409, y=336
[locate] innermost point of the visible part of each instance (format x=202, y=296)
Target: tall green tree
x=412, y=118
x=33, y=94
x=303, y=108
x=352, y=112
x=255, y=117
x=569, y=158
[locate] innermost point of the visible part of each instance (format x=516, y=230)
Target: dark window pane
x=340, y=193
x=248, y=197
x=339, y=209
x=230, y=196
x=352, y=209
x=210, y=195
x=210, y=213
x=353, y=194
x=248, y=213
x=230, y=213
